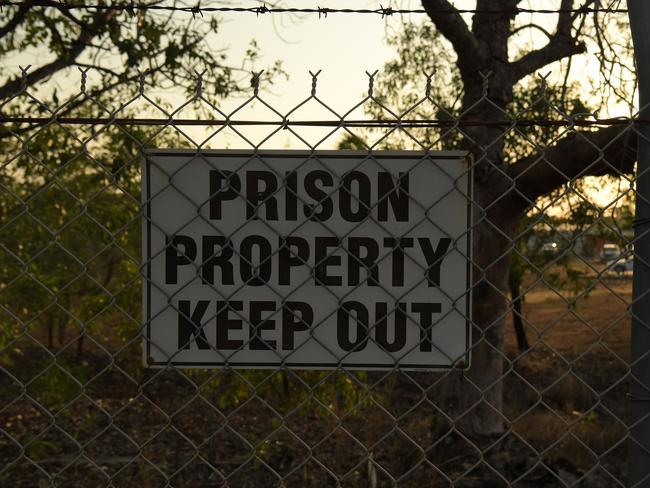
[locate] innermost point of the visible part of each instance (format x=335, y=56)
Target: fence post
x=639, y=441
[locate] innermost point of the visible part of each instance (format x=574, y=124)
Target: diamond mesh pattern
x=78, y=408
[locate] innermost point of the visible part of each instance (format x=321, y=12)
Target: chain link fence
x=542, y=402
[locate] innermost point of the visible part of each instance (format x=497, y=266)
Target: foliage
x=70, y=197
x=423, y=83
x=70, y=272
x=71, y=229
x=418, y=85
x=120, y=46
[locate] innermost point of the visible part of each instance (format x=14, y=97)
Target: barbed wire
x=375, y=123
x=322, y=12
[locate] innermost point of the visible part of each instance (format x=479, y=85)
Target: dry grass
x=576, y=410
x=565, y=399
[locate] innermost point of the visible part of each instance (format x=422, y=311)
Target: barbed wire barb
x=314, y=81
x=322, y=12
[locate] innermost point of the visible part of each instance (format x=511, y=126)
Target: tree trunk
x=503, y=192
x=80, y=345
x=482, y=392
x=494, y=226
x=50, y=332
x=61, y=332
x=517, y=322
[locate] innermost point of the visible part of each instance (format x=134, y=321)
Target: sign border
x=461, y=363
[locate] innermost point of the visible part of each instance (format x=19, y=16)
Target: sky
x=342, y=47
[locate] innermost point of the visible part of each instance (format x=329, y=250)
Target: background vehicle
x=622, y=265
x=610, y=251
x=550, y=247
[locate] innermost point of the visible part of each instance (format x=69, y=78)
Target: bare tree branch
x=555, y=50
x=609, y=151
x=561, y=45
x=451, y=25
x=526, y=27
x=494, y=27
x=72, y=53
x=14, y=21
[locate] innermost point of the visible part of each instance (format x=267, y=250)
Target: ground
x=565, y=402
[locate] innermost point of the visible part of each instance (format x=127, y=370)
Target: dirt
x=124, y=426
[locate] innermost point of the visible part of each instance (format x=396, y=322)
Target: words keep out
x=290, y=329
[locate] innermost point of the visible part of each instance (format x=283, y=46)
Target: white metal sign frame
x=178, y=200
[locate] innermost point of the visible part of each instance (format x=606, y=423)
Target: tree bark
x=80, y=345
x=487, y=94
x=502, y=192
x=61, y=335
x=482, y=392
x=50, y=333
x=517, y=322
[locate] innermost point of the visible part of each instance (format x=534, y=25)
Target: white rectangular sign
x=314, y=260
